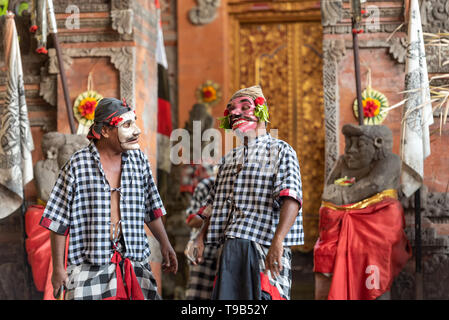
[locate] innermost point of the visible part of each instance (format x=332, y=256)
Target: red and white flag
x=164, y=121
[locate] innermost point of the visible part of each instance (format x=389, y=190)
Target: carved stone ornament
x=331, y=12
x=398, y=49
x=122, y=21
x=435, y=15
x=47, y=89
x=333, y=52
x=205, y=12
x=57, y=149
x=122, y=58
x=53, y=64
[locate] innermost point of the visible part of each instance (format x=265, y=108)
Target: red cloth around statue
x=38, y=247
x=363, y=245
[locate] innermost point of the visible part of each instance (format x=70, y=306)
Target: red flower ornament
x=115, y=121
x=259, y=101
x=33, y=28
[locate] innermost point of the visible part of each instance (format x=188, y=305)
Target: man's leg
x=322, y=285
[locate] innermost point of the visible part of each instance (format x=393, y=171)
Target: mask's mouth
x=132, y=140
x=239, y=121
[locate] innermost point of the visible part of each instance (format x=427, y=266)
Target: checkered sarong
x=201, y=276
x=283, y=282
x=92, y=282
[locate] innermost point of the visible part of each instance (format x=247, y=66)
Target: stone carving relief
x=53, y=64
x=60, y=6
x=333, y=52
x=120, y=4
x=435, y=15
x=47, y=90
x=331, y=12
x=374, y=171
x=123, y=58
x=205, y=12
x=398, y=49
x=122, y=21
x=435, y=247
x=57, y=149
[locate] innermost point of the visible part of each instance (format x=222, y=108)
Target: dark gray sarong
x=240, y=273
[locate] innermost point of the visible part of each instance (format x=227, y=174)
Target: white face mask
x=128, y=131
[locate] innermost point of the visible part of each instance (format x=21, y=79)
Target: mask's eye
x=126, y=125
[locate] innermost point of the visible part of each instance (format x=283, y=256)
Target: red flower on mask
x=115, y=121
x=259, y=101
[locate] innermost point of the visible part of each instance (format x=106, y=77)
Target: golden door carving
x=284, y=57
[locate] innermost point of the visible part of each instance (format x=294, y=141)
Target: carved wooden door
x=281, y=50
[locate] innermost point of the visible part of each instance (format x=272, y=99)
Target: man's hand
x=199, y=247
x=289, y=212
x=273, y=261
x=58, y=279
x=169, y=262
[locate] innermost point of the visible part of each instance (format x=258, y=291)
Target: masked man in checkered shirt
x=103, y=196
x=254, y=207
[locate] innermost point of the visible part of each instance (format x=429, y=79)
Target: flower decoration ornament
x=261, y=109
x=261, y=113
x=225, y=122
x=84, y=109
x=374, y=104
x=209, y=93
x=115, y=121
x=345, y=181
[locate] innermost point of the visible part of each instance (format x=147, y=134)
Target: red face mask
x=241, y=114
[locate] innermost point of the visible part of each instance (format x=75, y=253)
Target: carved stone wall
x=205, y=12
x=435, y=248
x=386, y=59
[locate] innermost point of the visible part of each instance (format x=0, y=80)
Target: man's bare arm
x=59, y=276
x=199, y=241
x=170, y=262
x=289, y=212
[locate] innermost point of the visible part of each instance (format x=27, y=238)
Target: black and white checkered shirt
x=248, y=192
x=81, y=201
x=200, y=195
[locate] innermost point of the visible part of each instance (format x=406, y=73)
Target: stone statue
x=74, y=142
x=57, y=148
x=362, y=244
x=46, y=171
x=368, y=160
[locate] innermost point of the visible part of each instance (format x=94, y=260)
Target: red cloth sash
x=132, y=291
x=364, y=248
x=268, y=288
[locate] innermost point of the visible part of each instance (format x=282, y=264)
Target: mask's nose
x=136, y=130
